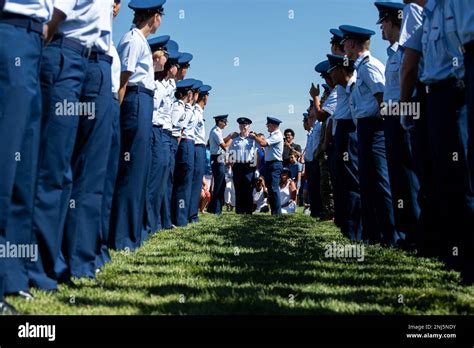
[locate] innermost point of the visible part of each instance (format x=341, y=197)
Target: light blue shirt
x=215, y=140
x=178, y=116
x=412, y=27
x=41, y=10
x=82, y=20
x=274, y=150
x=370, y=81
x=308, y=151
x=331, y=102
x=463, y=12
x=116, y=68
x=104, y=42
x=159, y=99
x=438, y=49
x=200, y=129
x=136, y=57
x=243, y=149
x=189, y=123
x=392, y=73
x=343, y=109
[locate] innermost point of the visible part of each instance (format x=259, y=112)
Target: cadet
x=184, y=64
x=184, y=120
x=82, y=229
x=63, y=72
x=346, y=155
x=273, y=162
x=218, y=146
x=136, y=97
x=170, y=139
x=199, y=152
x=366, y=99
x=447, y=135
x=337, y=48
x=243, y=157
x=403, y=180
x=156, y=186
x=21, y=29
x=114, y=152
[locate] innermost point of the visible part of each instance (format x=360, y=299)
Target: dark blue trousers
x=331, y=163
x=198, y=174
x=314, y=188
x=404, y=182
x=376, y=200
x=183, y=181
x=20, y=111
x=62, y=75
x=218, y=190
x=109, y=185
x=348, y=188
x=128, y=205
x=82, y=232
x=156, y=180
x=448, y=139
x=272, y=181
x=172, y=143
x=244, y=182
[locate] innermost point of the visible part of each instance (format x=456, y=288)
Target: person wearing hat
x=21, y=28
x=367, y=97
x=136, y=97
x=82, y=230
x=242, y=155
x=345, y=145
x=403, y=179
x=448, y=132
x=336, y=47
x=273, y=161
x=70, y=36
x=218, y=145
x=199, y=152
x=114, y=152
x=170, y=140
x=183, y=119
x=323, y=108
x=184, y=64
x=159, y=152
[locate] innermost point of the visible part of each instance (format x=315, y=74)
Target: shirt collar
x=430, y=6
x=351, y=82
x=359, y=60
x=140, y=34
x=393, y=49
x=198, y=108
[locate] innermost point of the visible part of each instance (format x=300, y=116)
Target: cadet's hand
x=314, y=91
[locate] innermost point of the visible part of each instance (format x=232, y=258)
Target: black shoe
x=7, y=309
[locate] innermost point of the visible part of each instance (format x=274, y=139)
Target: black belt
x=469, y=47
x=157, y=126
x=101, y=56
x=72, y=44
x=215, y=156
x=448, y=83
x=186, y=139
x=21, y=21
x=271, y=162
x=203, y=145
x=243, y=163
x=136, y=89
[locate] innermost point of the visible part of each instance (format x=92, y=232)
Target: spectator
x=287, y=193
x=260, y=159
x=229, y=193
x=260, y=196
x=205, y=196
x=296, y=168
x=289, y=147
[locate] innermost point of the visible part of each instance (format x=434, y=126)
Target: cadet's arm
x=124, y=77
x=379, y=98
x=409, y=73
x=52, y=26
x=227, y=141
x=260, y=140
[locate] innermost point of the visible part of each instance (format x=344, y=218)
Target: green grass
x=256, y=265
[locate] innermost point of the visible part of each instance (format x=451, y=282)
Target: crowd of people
x=104, y=145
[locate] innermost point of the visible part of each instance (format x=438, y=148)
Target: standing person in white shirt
x=21, y=30
x=71, y=34
x=136, y=97
x=273, y=161
x=114, y=152
x=82, y=230
x=159, y=153
x=199, y=152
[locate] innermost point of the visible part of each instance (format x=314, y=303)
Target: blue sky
x=277, y=54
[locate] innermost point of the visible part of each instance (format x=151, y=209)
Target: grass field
x=258, y=265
